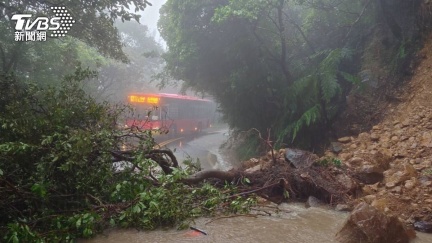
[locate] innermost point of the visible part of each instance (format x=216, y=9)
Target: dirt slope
x=404, y=137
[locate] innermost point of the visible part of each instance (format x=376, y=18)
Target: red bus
x=170, y=112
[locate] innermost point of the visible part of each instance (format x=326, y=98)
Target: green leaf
x=39, y=190
x=78, y=223
x=136, y=209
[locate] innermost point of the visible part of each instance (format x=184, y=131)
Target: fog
x=150, y=16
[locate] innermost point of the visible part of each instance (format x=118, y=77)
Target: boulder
x=423, y=226
x=336, y=147
x=367, y=224
x=369, y=167
x=369, y=174
x=300, y=158
x=313, y=202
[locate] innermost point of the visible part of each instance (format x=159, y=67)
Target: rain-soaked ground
x=293, y=224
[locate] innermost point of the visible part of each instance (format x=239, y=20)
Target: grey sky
x=150, y=17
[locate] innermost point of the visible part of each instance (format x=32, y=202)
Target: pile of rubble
x=393, y=162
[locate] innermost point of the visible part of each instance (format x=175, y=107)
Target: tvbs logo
x=27, y=29
x=41, y=23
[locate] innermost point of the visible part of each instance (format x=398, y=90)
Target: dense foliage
x=57, y=176
x=62, y=169
x=285, y=65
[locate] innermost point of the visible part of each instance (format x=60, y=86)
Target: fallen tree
x=300, y=171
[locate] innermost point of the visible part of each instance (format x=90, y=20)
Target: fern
x=309, y=117
x=330, y=86
x=328, y=69
x=308, y=96
x=355, y=80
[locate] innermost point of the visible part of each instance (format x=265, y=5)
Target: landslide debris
x=393, y=161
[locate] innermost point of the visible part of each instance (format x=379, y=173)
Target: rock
x=426, y=140
x=336, y=147
x=370, y=189
x=346, y=181
x=364, y=137
x=342, y=208
x=374, y=137
x=300, y=158
x=345, y=156
x=329, y=154
x=397, y=189
x=369, y=168
x=369, y=198
x=366, y=224
x=369, y=174
x=423, y=226
x=422, y=165
x=380, y=204
x=400, y=176
x=344, y=140
x=313, y=202
x=426, y=183
x=390, y=185
x=383, y=158
x=254, y=169
x=405, y=123
x=409, y=184
x=355, y=161
x=385, y=145
x=376, y=128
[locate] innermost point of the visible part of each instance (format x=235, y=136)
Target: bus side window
x=164, y=112
x=173, y=112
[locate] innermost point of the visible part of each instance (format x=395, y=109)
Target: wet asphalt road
x=203, y=147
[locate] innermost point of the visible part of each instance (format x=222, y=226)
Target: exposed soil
x=405, y=135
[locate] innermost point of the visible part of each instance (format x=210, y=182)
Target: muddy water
x=294, y=224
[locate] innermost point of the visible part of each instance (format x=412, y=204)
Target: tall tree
x=265, y=61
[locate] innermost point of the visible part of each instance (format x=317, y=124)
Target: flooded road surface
x=294, y=224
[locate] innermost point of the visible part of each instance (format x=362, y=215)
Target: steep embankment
x=404, y=140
